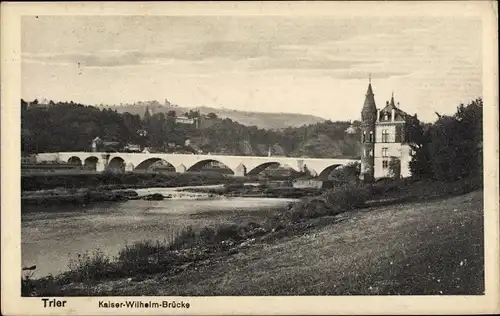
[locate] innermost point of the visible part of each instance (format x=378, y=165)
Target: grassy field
x=422, y=248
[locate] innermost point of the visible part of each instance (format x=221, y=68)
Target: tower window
x=400, y=134
x=371, y=136
x=364, y=136
x=385, y=136
x=385, y=164
x=384, y=151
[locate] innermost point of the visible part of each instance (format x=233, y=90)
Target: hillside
x=72, y=127
x=263, y=120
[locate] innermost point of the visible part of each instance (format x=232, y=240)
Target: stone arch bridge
x=239, y=165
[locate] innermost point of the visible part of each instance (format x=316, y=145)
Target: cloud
x=304, y=63
x=364, y=74
x=250, y=55
x=101, y=59
x=230, y=50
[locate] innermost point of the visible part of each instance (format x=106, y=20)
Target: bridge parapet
x=240, y=165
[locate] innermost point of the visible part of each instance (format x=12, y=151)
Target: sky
x=303, y=64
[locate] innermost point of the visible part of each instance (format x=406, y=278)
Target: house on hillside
x=132, y=148
x=385, y=140
x=188, y=121
x=184, y=120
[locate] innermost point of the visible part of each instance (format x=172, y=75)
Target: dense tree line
x=69, y=126
x=451, y=148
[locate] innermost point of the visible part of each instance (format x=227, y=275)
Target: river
x=51, y=237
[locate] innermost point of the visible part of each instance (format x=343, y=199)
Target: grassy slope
x=433, y=247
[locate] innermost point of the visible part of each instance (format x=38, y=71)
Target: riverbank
x=425, y=248
x=127, y=180
x=196, y=252
x=84, y=189
x=256, y=190
x=85, y=196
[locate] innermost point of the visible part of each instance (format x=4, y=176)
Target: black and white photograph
x=294, y=152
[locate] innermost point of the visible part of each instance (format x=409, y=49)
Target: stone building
x=384, y=138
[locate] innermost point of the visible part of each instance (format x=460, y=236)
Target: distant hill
x=260, y=119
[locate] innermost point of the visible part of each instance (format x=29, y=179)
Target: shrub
x=229, y=231
x=212, y=236
x=185, y=237
x=130, y=178
x=89, y=266
x=139, y=251
x=387, y=186
x=143, y=256
x=346, y=197
x=27, y=284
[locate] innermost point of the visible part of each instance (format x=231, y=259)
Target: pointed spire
x=392, y=100
x=369, y=108
x=369, y=91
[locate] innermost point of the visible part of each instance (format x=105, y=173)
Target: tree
x=418, y=139
x=192, y=114
x=24, y=106
x=70, y=126
x=471, y=121
x=212, y=115
x=157, y=133
x=348, y=173
x=171, y=114
x=451, y=148
x=395, y=168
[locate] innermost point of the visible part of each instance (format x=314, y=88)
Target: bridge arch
x=90, y=163
x=210, y=165
x=262, y=167
x=74, y=160
x=325, y=174
x=117, y=164
x=153, y=162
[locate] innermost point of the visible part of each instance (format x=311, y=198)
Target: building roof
x=351, y=129
x=369, y=110
x=399, y=115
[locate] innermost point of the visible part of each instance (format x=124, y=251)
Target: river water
x=51, y=237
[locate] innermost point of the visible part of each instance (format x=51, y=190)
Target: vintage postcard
x=250, y=158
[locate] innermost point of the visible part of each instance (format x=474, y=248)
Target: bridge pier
x=300, y=165
x=240, y=171
x=181, y=168
x=100, y=165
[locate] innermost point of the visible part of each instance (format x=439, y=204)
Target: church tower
x=368, y=119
